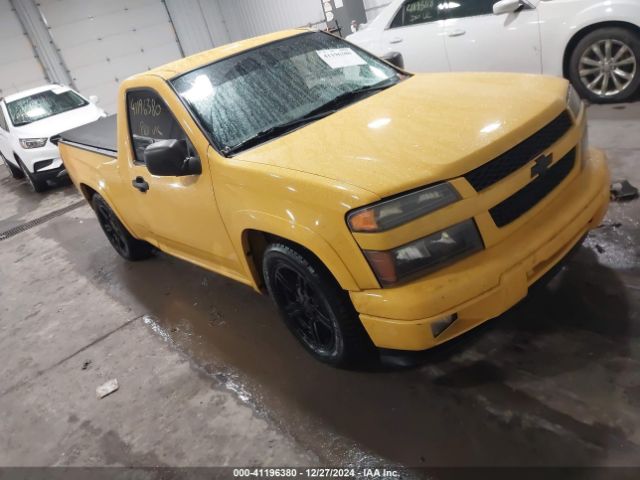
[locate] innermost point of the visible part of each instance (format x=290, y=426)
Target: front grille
x=516, y=158
x=524, y=200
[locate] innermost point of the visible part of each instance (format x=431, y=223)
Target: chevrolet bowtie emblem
x=542, y=165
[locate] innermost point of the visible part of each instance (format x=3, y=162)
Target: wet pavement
x=555, y=381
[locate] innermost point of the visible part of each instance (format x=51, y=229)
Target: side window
x=414, y=12
x=467, y=8
x=150, y=121
x=3, y=121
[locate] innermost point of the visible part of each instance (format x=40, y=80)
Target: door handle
x=458, y=32
x=396, y=40
x=140, y=184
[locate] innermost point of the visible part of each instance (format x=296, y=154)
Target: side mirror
x=506, y=6
x=170, y=158
x=93, y=99
x=394, y=58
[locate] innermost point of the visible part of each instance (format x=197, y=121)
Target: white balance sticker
x=340, y=57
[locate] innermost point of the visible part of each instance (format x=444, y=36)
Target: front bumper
x=486, y=285
x=54, y=173
x=32, y=158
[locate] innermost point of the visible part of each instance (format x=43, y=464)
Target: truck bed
x=100, y=135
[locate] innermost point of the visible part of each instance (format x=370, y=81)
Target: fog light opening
x=439, y=326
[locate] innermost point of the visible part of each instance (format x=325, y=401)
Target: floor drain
x=39, y=221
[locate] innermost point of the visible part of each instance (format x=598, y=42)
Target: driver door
x=180, y=213
x=416, y=32
x=479, y=41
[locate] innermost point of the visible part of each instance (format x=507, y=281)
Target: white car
x=29, y=124
x=594, y=43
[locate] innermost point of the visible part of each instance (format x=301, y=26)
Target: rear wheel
x=122, y=241
x=14, y=171
x=604, y=66
x=35, y=184
x=314, y=307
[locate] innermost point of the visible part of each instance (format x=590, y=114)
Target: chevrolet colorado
x=376, y=207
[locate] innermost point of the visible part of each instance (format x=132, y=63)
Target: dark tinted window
x=3, y=121
x=43, y=105
x=149, y=121
x=414, y=12
x=467, y=8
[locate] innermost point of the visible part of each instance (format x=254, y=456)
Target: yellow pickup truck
x=376, y=207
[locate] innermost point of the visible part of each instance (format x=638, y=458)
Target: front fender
x=246, y=220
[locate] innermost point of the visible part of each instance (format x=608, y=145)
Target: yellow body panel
x=301, y=186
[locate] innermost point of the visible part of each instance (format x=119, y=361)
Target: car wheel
x=314, y=307
x=122, y=241
x=604, y=66
x=14, y=171
x=35, y=184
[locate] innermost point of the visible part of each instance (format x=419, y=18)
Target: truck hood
x=50, y=126
x=428, y=128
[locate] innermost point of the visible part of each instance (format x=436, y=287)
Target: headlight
x=33, y=142
x=574, y=102
x=392, y=213
x=428, y=253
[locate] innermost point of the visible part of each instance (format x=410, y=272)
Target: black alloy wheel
x=315, y=308
x=306, y=311
x=122, y=241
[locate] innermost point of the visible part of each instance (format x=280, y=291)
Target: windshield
x=247, y=97
x=43, y=105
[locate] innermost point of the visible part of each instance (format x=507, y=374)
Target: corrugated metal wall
x=199, y=24
x=102, y=43
x=248, y=18
x=19, y=66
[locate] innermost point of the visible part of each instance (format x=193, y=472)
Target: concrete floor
x=209, y=376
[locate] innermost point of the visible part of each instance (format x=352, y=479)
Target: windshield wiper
x=317, y=113
x=275, y=131
x=348, y=97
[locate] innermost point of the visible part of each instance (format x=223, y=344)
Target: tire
x=314, y=307
x=14, y=171
x=591, y=60
x=121, y=240
x=35, y=184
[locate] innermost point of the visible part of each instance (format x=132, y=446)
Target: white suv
x=29, y=124
x=594, y=43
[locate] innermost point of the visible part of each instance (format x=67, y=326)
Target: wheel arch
x=17, y=159
x=255, y=242
x=87, y=192
x=584, y=31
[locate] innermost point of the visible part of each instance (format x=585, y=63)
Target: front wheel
x=314, y=307
x=122, y=241
x=604, y=65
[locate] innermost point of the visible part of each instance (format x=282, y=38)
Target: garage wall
x=103, y=42
x=19, y=67
x=97, y=43
x=199, y=24
x=248, y=18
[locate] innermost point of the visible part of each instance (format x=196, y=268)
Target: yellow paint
x=427, y=129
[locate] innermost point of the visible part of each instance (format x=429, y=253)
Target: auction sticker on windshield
x=340, y=57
